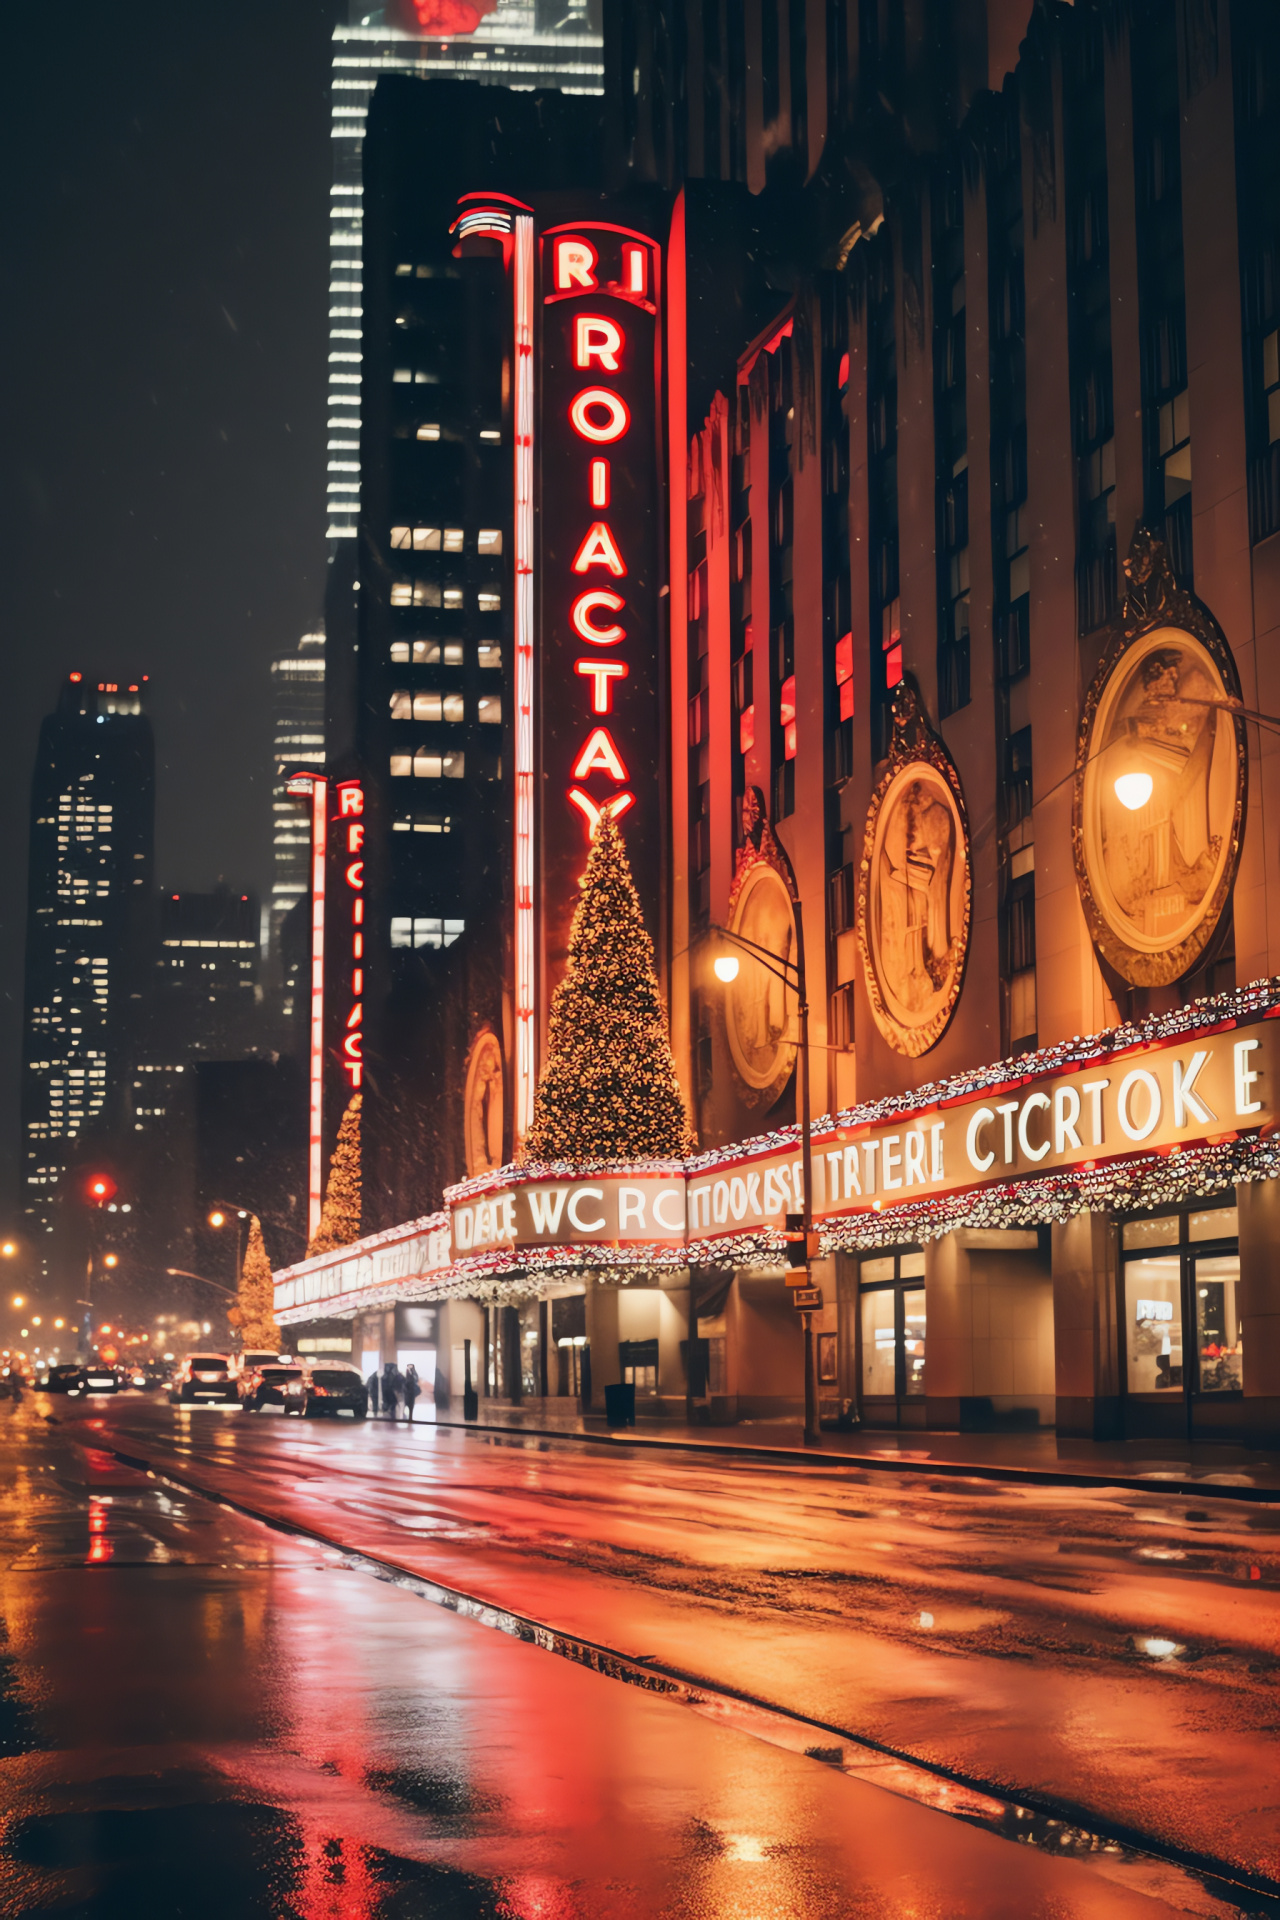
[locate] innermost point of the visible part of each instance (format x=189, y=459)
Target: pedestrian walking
x=390, y=1389
x=372, y=1385
x=412, y=1387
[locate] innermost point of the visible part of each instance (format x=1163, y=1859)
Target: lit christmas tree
x=608, y=1090
x=340, y=1215
x=254, y=1309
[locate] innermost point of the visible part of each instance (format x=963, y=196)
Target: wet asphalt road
x=199, y=1714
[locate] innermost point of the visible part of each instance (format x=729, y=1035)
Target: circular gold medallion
x=1158, y=803
x=761, y=1012
x=482, y=1104
x=913, y=920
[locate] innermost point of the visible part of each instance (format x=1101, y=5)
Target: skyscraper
x=92, y=842
x=522, y=44
x=297, y=693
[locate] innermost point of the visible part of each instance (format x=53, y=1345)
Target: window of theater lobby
x=1182, y=1343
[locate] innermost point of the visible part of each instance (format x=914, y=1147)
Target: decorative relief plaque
x=914, y=885
x=1161, y=779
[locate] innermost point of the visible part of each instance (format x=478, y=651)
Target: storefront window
x=1153, y=1321
x=1173, y=1293
x=913, y=1341
x=1219, y=1346
x=879, y=1341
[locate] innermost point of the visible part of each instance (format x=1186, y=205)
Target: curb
x=945, y=1469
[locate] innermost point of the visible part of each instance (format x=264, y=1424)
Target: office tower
x=92, y=842
x=297, y=694
x=522, y=44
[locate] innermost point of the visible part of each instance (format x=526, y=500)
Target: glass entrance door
x=1184, y=1348
x=892, y=1326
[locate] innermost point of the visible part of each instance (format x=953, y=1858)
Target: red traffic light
x=100, y=1187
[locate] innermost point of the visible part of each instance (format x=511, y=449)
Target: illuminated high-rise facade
x=92, y=841
x=297, y=698
x=524, y=44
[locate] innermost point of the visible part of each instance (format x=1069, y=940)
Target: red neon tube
x=525, y=1003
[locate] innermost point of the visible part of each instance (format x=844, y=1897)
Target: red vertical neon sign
x=350, y=827
x=299, y=784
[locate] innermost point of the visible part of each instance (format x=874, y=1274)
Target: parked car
x=243, y=1364
x=329, y=1388
x=100, y=1378
x=267, y=1385
x=68, y=1377
x=203, y=1376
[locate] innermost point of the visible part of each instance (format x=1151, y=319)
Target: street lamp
x=792, y=974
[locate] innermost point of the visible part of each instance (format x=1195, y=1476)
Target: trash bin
x=620, y=1405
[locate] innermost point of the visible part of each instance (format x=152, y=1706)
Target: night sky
x=162, y=343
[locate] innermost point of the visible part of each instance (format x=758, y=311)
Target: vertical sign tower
x=598, y=577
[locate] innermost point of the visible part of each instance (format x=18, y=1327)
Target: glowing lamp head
x=8, y=1249
x=19, y=1299
x=217, y=1219
x=111, y=1260
x=101, y=1187
x=1133, y=790
x=726, y=967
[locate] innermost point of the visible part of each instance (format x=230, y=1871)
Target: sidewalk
x=1039, y=1458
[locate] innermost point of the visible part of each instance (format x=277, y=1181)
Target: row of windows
x=444, y=539
x=446, y=653
x=449, y=707
x=422, y=823
x=424, y=765
x=429, y=593
x=425, y=932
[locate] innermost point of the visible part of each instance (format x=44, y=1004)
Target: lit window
x=424, y=379
x=425, y=932
x=402, y=593
x=399, y=652
x=402, y=706
x=453, y=596
x=490, y=433
x=402, y=376
x=401, y=766
x=489, y=601
x=490, y=710
x=401, y=537
x=417, y=593
x=428, y=432
x=489, y=540
x=403, y=271
x=453, y=538
x=489, y=654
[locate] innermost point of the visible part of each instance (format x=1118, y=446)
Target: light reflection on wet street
x=198, y=1714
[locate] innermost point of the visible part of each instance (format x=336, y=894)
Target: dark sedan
x=99, y=1378
x=328, y=1389
x=267, y=1386
x=67, y=1378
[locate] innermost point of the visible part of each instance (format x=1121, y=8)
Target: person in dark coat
x=412, y=1387
x=392, y=1382
x=372, y=1385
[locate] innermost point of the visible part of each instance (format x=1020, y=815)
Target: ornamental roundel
x=482, y=1104
x=761, y=1012
x=914, y=885
x=1161, y=780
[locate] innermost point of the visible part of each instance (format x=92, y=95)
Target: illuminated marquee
x=598, y=694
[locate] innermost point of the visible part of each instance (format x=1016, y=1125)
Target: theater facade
x=878, y=512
